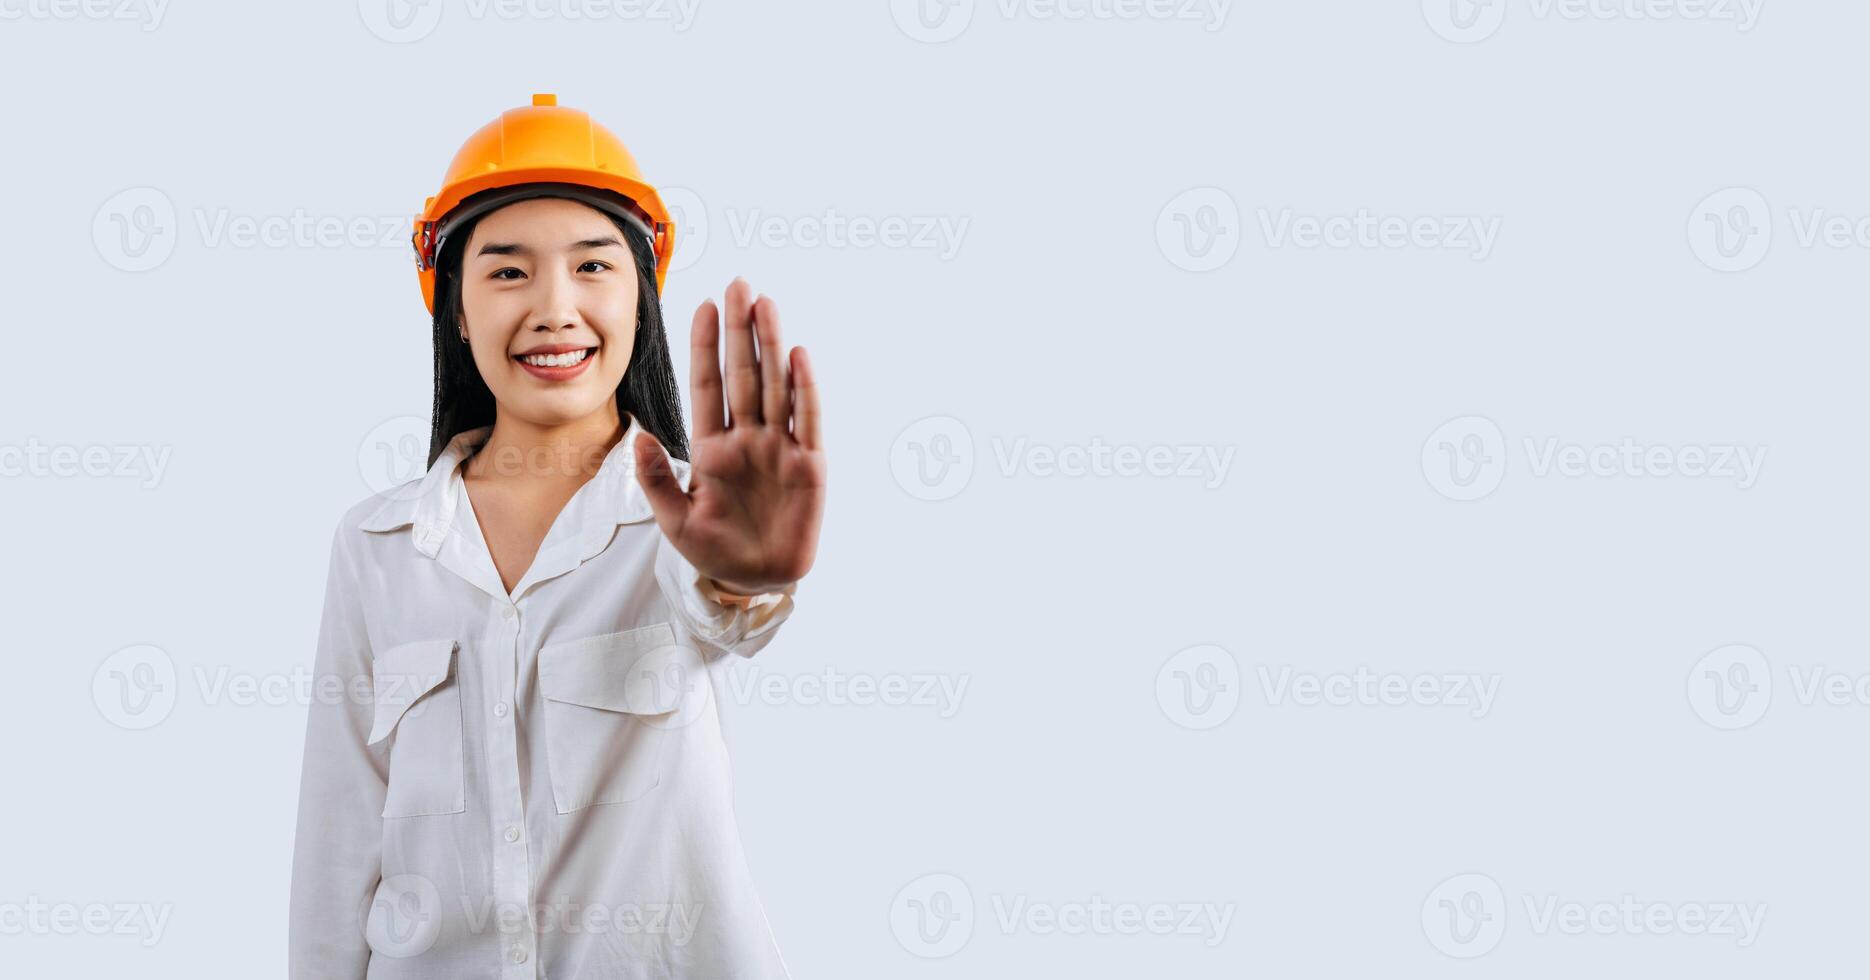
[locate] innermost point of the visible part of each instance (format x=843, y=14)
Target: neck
x=566, y=451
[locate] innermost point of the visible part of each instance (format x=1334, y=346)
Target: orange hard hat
x=558, y=152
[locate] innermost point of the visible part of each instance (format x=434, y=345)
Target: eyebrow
x=513, y=248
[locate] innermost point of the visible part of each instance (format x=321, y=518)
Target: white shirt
x=526, y=785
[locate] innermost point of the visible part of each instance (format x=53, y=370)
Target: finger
x=806, y=412
x=775, y=395
x=667, y=500
x=743, y=373
x=704, y=369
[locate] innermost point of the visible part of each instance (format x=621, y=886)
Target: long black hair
x=647, y=391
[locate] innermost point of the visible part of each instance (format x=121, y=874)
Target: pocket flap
x=640, y=671
x=401, y=675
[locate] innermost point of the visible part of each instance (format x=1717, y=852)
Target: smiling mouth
x=566, y=359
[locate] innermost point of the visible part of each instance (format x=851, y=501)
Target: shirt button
x=512, y=833
x=499, y=710
x=508, y=613
x=519, y=954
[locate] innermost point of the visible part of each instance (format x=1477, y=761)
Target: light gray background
x=1606, y=766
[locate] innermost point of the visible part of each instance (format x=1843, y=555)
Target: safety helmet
x=555, y=152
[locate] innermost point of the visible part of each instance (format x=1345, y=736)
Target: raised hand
x=756, y=491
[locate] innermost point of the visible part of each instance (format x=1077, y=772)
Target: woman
x=513, y=767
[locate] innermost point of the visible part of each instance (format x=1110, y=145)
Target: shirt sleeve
x=336, y=860
x=742, y=627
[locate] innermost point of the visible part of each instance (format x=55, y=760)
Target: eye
x=600, y=265
x=502, y=273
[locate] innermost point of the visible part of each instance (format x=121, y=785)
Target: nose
x=557, y=301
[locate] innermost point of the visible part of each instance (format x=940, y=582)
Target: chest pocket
x=418, y=707
x=610, y=701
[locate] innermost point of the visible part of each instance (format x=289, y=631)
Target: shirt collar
x=611, y=497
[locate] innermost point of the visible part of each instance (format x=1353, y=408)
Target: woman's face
x=553, y=277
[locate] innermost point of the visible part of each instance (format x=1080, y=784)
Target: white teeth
x=566, y=359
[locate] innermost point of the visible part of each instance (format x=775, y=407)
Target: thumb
x=657, y=478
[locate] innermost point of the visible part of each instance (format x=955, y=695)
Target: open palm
x=756, y=490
